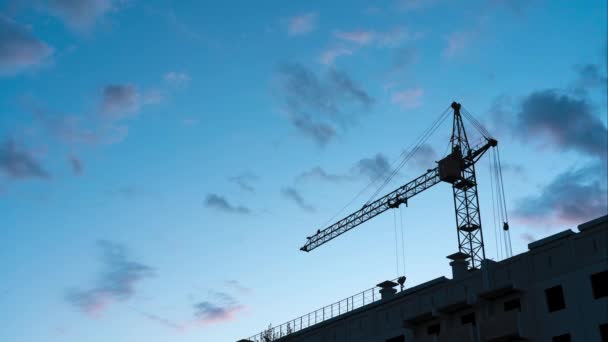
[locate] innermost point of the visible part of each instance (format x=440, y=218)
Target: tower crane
x=458, y=169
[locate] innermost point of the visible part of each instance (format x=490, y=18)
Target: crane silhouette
x=458, y=169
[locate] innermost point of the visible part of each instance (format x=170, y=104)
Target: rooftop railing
x=315, y=317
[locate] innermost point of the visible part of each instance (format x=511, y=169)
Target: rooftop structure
x=556, y=291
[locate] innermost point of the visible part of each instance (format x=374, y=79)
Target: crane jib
x=373, y=209
x=389, y=201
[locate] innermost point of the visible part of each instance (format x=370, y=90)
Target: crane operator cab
x=450, y=167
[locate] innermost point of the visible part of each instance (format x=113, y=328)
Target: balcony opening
x=397, y=339
x=555, y=298
x=561, y=338
x=513, y=304
x=604, y=332
x=599, y=283
x=433, y=329
x=468, y=319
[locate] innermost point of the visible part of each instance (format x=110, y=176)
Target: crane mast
x=458, y=169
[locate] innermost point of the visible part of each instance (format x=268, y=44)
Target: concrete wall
x=567, y=259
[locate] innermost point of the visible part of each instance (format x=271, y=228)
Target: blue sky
x=161, y=163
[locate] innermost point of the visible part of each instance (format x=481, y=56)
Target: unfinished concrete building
x=556, y=291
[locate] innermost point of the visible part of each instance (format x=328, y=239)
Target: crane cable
x=497, y=235
x=396, y=243
x=478, y=125
x=506, y=231
x=399, y=271
x=402, y=240
x=407, y=155
x=499, y=203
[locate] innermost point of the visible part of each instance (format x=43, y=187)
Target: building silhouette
x=556, y=291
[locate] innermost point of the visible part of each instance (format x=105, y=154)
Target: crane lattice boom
x=458, y=168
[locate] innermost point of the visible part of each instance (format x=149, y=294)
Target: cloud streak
x=76, y=165
x=457, y=42
x=119, y=100
x=589, y=76
x=374, y=167
x=302, y=24
x=408, y=98
x=221, y=308
x=574, y=196
x=295, y=196
x=329, y=56
x=566, y=122
x=319, y=173
x=81, y=14
x=177, y=79
x=19, y=49
x=244, y=181
x=390, y=38
x=117, y=283
x=317, y=105
x=17, y=163
x=220, y=203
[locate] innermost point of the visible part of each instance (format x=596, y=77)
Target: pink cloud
x=219, y=315
x=457, y=42
x=392, y=38
x=20, y=48
x=329, y=56
x=302, y=24
x=116, y=284
x=409, y=98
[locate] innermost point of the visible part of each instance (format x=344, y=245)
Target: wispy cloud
x=106, y=124
x=360, y=37
x=425, y=157
x=19, y=49
x=391, y=38
x=562, y=121
x=408, y=98
x=349, y=42
x=589, y=76
x=319, y=173
x=119, y=100
x=302, y=24
x=81, y=14
x=76, y=165
x=222, y=307
x=244, y=181
x=329, y=56
x=457, y=42
x=163, y=321
x=16, y=162
x=320, y=132
x=373, y=168
x=116, y=284
x=574, y=196
x=295, y=196
x=218, y=202
x=177, y=79
x=316, y=105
